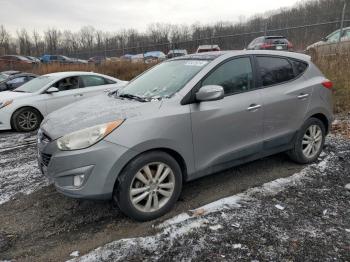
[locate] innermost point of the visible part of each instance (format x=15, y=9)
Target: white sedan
x=24, y=108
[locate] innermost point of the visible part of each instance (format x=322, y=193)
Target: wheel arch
x=323, y=119
x=22, y=107
x=173, y=153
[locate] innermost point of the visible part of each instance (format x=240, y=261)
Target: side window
x=346, y=35
x=68, y=83
x=274, y=70
x=299, y=67
x=110, y=82
x=18, y=80
x=93, y=81
x=334, y=37
x=235, y=76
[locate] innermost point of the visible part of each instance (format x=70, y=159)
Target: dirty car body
x=232, y=124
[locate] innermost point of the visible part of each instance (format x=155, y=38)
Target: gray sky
x=114, y=15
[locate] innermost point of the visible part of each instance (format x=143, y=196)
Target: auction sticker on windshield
x=196, y=63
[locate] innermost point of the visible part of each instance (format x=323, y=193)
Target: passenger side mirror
x=210, y=93
x=52, y=90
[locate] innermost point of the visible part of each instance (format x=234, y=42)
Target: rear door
x=285, y=96
x=230, y=128
x=91, y=85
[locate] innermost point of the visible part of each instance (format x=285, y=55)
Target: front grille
x=45, y=158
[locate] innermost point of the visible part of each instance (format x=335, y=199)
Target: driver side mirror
x=52, y=90
x=324, y=39
x=210, y=93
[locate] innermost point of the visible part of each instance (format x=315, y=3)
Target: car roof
x=73, y=73
x=217, y=54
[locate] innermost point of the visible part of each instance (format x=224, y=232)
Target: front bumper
x=5, y=119
x=100, y=164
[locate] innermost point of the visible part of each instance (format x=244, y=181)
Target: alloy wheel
x=28, y=120
x=312, y=141
x=152, y=187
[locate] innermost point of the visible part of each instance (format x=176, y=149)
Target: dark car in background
x=34, y=59
x=10, y=80
x=176, y=53
x=271, y=43
x=9, y=61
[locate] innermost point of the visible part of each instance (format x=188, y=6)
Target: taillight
x=290, y=46
x=265, y=46
x=327, y=84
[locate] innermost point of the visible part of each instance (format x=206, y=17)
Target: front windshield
x=164, y=80
x=34, y=85
x=3, y=77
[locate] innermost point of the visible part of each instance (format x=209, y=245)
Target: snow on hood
x=9, y=95
x=94, y=111
x=315, y=44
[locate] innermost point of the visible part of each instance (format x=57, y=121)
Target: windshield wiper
x=130, y=96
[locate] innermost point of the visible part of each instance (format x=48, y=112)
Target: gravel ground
x=38, y=224
x=302, y=218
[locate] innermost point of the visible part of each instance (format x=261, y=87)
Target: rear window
x=276, y=41
x=274, y=70
x=299, y=67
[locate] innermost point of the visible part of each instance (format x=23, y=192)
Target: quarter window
x=299, y=67
x=234, y=76
x=93, y=81
x=274, y=70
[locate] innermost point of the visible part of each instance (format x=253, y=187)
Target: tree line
x=89, y=41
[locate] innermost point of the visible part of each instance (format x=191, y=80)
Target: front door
x=231, y=128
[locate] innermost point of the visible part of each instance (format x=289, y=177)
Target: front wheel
x=309, y=142
x=149, y=186
x=26, y=119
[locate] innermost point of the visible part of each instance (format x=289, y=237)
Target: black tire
x=122, y=191
x=296, y=153
x=19, y=126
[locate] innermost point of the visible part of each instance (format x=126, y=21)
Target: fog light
x=78, y=180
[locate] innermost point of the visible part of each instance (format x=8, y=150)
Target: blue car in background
x=56, y=59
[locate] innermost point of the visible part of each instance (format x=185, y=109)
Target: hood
x=8, y=95
x=94, y=111
x=315, y=45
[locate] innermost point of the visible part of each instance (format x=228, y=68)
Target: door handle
x=302, y=96
x=107, y=90
x=253, y=107
x=78, y=95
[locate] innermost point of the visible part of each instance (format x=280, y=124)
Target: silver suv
x=183, y=119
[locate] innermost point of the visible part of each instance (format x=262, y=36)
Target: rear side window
x=235, y=76
x=274, y=70
x=93, y=81
x=299, y=67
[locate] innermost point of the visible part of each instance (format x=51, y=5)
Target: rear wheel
x=309, y=142
x=149, y=186
x=26, y=119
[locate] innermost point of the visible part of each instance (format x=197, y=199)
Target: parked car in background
x=98, y=59
x=330, y=44
x=9, y=61
x=56, y=59
x=34, y=59
x=11, y=81
x=154, y=56
x=271, y=43
x=183, y=119
x=176, y=53
x=24, y=108
x=207, y=48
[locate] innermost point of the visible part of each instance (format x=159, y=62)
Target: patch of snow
x=216, y=227
x=347, y=186
x=175, y=220
x=237, y=246
x=279, y=207
x=347, y=230
x=236, y=225
x=75, y=254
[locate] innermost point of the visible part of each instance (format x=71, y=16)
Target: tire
x=26, y=119
x=133, y=180
x=299, y=152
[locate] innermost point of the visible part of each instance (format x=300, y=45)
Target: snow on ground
x=19, y=173
x=216, y=231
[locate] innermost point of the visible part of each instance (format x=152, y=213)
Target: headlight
x=6, y=103
x=86, y=137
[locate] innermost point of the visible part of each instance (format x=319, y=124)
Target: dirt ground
x=39, y=224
